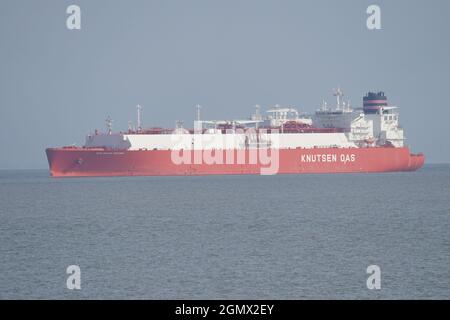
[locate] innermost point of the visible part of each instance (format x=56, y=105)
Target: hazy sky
x=57, y=85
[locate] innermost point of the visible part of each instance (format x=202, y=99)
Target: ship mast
x=109, y=122
x=198, y=107
x=139, y=113
x=257, y=115
x=338, y=94
x=198, y=124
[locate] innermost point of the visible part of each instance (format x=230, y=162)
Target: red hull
x=79, y=162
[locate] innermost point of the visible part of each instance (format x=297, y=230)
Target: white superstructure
x=339, y=127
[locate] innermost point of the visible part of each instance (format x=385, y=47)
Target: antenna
x=257, y=115
x=109, y=122
x=198, y=107
x=139, y=113
x=338, y=94
x=257, y=112
x=277, y=114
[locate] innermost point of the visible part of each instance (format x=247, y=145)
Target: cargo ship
x=338, y=139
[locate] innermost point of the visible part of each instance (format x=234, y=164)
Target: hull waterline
x=85, y=162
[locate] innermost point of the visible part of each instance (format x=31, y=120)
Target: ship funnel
x=374, y=102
